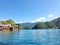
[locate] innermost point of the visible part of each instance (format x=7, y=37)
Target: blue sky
x=29, y=10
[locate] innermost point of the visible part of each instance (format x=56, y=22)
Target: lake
x=30, y=37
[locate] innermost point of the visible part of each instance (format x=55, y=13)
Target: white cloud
x=39, y=19
x=56, y=17
x=20, y=22
x=43, y=19
x=50, y=16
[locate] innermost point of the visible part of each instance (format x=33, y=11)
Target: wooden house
x=2, y=26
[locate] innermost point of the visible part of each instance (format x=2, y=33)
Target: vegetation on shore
x=54, y=24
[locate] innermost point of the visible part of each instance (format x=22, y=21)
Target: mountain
x=53, y=24
x=28, y=25
x=56, y=22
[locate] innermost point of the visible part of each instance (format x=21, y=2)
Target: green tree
x=50, y=25
x=40, y=26
x=19, y=26
x=10, y=22
x=28, y=27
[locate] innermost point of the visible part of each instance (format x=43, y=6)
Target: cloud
x=43, y=19
x=39, y=19
x=55, y=17
x=50, y=16
x=20, y=22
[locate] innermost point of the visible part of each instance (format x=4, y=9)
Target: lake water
x=30, y=37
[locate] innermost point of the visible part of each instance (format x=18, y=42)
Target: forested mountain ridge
x=53, y=24
x=56, y=22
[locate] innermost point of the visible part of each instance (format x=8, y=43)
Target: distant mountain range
x=28, y=25
x=55, y=24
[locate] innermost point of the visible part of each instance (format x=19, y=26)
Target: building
x=16, y=27
x=3, y=26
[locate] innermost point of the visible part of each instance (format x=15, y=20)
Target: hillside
x=53, y=24
x=56, y=22
x=28, y=25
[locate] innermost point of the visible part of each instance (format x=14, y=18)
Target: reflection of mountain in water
x=30, y=37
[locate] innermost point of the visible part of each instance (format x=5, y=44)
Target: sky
x=22, y=11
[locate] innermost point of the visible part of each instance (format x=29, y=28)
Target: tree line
x=53, y=24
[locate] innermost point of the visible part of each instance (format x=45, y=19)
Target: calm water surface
x=30, y=37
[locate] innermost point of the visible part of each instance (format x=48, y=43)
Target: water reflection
x=32, y=37
x=47, y=37
x=5, y=35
